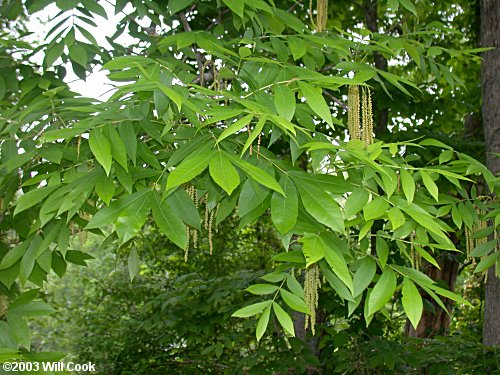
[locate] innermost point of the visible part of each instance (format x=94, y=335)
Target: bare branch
x=336, y=100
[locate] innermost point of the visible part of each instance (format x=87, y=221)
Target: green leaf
x=108, y=215
x=235, y=126
x=335, y=282
x=95, y=8
x=294, y=286
x=101, y=149
x=118, y=150
x=484, y=249
x=428, y=257
x=14, y=254
x=223, y=172
x=31, y=309
x=284, y=209
x=131, y=219
x=19, y=330
x=78, y=54
x=456, y=216
x=236, y=6
x=375, y=209
x=356, y=201
x=336, y=261
x=33, y=197
x=168, y=222
x=487, y=262
x=284, y=101
x=408, y=184
x=298, y=47
x=412, y=302
x=183, y=206
x=189, y=169
x=133, y=263
x=382, y=251
x=313, y=248
x=28, y=260
x=321, y=206
x=129, y=138
x=257, y=174
x=260, y=289
x=408, y=4
x=295, y=302
x=105, y=188
x=172, y=94
x=396, y=217
x=251, y=310
x=382, y=291
x=364, y=275
x=175, y=6
x=430, y=185
x=262, y=323
x=284, y=319
x=293, y=256
x=316, y=101
x=255, y=133
x=52, y=54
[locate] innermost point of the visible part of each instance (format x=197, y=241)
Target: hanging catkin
x=312, y=282
x=186, y=250
x=367, y=130
x=322, y=15
x=353, y=118
x=210, y=234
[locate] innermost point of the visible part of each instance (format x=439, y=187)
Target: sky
x=97, y=85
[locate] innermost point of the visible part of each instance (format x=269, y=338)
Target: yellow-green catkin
x=207, y=212
x=469, y=241
x=480, y=225
x=312, y=283
x=250, y=149
x=210, y=234
x=186, y=250
x=353, y=115
x=412, y=253
x=367, y=130
x=321, y=15
x=3, y=305
x=194, y=232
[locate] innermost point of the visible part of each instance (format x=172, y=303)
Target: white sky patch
x=97, y=85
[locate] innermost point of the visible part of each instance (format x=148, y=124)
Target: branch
x=336, y=100
x=218, y=20
x=200, y=57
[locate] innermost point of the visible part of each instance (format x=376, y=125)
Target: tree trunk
x=490, y=87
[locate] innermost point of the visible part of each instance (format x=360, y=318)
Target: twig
x=336, y=100
x=218, y=20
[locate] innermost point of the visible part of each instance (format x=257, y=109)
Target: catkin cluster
x=191, y=233
x=416, y=258
x=3, y=305
x=367, y=130
x=360, y=117
x=321, y=15
x=353, y=114
x=472, y=242
x=312, y=282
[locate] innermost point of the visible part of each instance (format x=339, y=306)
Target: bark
x=371, y=15
x=437, y=322
x=490, y=87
